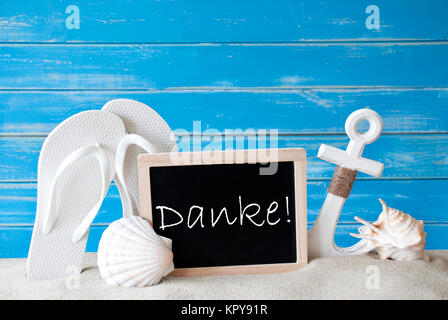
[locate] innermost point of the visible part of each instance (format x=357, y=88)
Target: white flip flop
x=76, y=166
x=147, y=133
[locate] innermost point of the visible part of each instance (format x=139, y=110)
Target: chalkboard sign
x=228, y=212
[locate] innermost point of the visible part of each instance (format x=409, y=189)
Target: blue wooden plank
x=14, y=241
x=420, y=198
x=231, y=20
x=423, y=199
x=206, y=66
x=404, y=156
x=289, y=111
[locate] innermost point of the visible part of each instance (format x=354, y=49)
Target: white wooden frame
x=296, y=155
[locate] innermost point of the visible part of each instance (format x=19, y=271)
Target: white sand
x=329, y=278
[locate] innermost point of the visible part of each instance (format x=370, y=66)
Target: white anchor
x=321, y=236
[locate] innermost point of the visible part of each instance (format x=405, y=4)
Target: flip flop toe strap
x=130, y=139
x=51, y=217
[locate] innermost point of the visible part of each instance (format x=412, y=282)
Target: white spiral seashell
x=132, y=254
x=395, y=235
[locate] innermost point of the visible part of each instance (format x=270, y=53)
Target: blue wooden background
x=298, y=66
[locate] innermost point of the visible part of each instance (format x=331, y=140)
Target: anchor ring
x=375, y=123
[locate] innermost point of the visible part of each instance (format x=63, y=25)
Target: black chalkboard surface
x=227, y=217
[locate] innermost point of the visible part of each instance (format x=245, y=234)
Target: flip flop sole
x=54, y=255
x=142, y=120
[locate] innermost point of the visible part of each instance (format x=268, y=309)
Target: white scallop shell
x=132, y=254
x=395, y=235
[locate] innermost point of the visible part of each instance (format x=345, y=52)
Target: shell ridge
x=134, y=229
x=131, y=253
x=395, y=234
